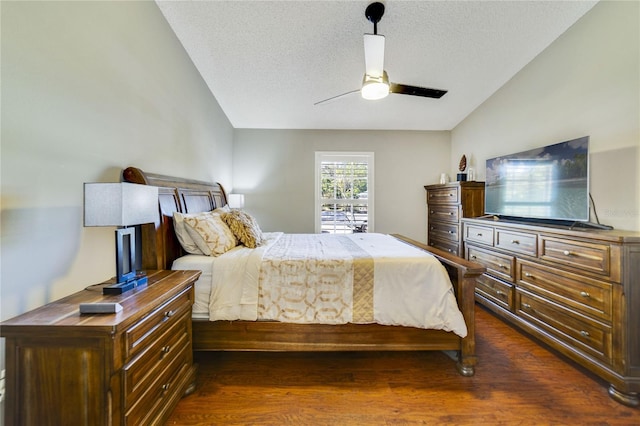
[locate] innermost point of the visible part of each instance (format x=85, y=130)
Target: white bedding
x=410, y=286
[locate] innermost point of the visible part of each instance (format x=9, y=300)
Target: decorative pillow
x=210, y=233
x=244, y=227
x=184, y=238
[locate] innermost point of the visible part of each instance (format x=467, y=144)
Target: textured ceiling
x=268, y=62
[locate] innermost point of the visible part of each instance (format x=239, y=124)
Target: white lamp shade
x=119, y=204
x=236, y=201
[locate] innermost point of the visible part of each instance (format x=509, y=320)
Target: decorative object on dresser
x=128, y=367
x=123, y=205
x=187, y=196
x=446, y=205
x=462, y=166
x=576, y=290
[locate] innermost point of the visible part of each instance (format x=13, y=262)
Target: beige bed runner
x=307, y=279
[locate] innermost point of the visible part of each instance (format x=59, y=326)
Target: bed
x=161, y=249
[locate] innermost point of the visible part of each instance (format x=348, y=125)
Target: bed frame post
x=463, y=274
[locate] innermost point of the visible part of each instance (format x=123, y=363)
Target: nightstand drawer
x=500, y=265
x=495, y=290
x=444, y=213
x=444, y=231
x=163, y=388
x=587, y=295
x=149, y=328
x=478, y=234
x=518, y=242
x=445, y=195
x=579, y=331
x=153, y=360
x=591, y=257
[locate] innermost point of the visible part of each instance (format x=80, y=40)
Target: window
x=344, y=192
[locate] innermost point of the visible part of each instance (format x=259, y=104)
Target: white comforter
x=410, y=287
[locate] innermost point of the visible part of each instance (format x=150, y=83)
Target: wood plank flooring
x=517, y=382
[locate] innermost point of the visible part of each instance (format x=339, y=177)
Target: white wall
x=587, y=83
x=89, y=88
x=275, y=170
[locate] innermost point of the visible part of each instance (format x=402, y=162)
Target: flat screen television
x=548, y=183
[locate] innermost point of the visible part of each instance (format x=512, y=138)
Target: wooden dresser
x=132, y=367
x=447, y=204
x=576, y=290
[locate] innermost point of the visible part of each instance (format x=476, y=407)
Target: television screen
x=551, y=182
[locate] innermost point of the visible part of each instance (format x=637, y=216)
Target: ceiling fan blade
x=374, y=54
x=337, y=96
x=403, y=89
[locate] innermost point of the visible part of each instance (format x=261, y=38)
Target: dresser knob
x=431, y=212
x=499, y=292
x=473, y=256
x=165, y=387
x=166, y=349
x=584, y=333
x=478, y=235
x=169, y=314
x=515, y=242
x=450, y=195
x=451, y=232
x=526, y=306
x=567, y=253
x=584, y=294
x=528, y=275
x=450, y=213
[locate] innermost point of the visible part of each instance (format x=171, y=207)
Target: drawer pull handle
x=452, y=232
x=165, y=387
x=584, y=294
x=526, y=306
x=450, y=251
x=501, y=266
x=567, y=253
x=450, y=195
x=450, y=213
x=479, y=234
x=528, y=275
x=431, y=212
x=515, y=242
x=499, y=292
x=169, y=314
x=165, y=349
x=584, y=333
x=473, y=256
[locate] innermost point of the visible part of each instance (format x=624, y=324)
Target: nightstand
x=130, y=367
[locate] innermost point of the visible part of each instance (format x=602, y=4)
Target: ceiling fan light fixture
x=374, y=88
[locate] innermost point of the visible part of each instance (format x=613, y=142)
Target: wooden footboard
x=276, y=336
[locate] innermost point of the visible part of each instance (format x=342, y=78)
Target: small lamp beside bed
x=236, y=201
x=123, y=205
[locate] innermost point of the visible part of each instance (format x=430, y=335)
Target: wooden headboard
x=160, y=247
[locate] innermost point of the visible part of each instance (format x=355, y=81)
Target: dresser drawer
x=444, y=231
x=500, y=265
x=158, y=393
x=577, y=330
x=585, y=256
x=150, y=328
x=518, y=242
x=478, y=234
x=446, y=195
x=499, y=292
x=139, y=373
x=445, y=245
x=444, y=213
x=586, y=295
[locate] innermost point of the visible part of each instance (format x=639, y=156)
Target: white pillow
x=184, y=238
x=212, y=236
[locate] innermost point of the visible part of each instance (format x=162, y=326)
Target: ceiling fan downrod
x=374, y=14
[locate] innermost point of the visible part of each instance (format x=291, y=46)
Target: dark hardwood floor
x=517, y=382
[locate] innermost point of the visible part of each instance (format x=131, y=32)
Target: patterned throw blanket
x=316, y=279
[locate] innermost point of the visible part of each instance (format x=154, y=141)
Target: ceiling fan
x=375, y=83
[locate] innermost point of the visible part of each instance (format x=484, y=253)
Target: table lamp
x=123, y=205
